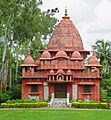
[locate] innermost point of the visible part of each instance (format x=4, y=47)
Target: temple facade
x=60, y=71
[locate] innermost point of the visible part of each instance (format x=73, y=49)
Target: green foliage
x=106, y=95
x=15, y=92
x=70, y=98
x=103, y=52
x=106, y=89
x=24, y=105
x=4, y=97
x=23, y=27
x=90, y=105
x=49, y=98
x=22, y=101
x=106, y=83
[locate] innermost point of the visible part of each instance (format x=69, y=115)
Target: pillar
x=46, y=89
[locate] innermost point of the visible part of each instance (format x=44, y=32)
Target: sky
x=92, y=18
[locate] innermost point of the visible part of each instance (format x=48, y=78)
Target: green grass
x=38, y=114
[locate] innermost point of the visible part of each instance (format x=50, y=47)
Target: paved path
x=49, y=108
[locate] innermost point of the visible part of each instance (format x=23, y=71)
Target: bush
x=91, y=105
x=15, y=92
x=23, y=101
x=4, y=97
x=49, y=99
x=24, y=105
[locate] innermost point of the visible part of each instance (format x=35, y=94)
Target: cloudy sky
x=92, y=18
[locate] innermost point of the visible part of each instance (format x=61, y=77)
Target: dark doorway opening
x=60, y=90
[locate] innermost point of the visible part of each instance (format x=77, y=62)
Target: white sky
x=92, y=18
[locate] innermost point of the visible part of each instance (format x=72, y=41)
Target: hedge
x=24, y=101
x=90, y=105
x=23, y=105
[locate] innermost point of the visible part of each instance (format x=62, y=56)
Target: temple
x=61, y=71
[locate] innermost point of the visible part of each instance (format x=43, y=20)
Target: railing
x=55, y=80
x=52, y=99
x=78, y=74
x=86, y=74
x=70, y=66
x=34, y=74
x=68, y=102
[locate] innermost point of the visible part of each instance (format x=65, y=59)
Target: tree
x=23, y=26
x=103, y=52
x=106, y=84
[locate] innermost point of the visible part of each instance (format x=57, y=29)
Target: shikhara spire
x=65, y=35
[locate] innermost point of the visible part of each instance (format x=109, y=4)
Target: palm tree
x=103, y=52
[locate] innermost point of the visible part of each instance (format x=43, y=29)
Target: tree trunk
x=16, y=75
x=1, y=86
x=3, y=63
x=10, y=82
x=5, y=75
x=6, y=34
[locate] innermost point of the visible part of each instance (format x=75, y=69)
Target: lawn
x=39, y=114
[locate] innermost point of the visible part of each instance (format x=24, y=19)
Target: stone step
x=59, y=102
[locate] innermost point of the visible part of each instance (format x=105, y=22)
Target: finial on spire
x=66, y=11
x=93, y=53
x=65, y=15
x=29, y=52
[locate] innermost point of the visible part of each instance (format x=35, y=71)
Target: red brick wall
x=26, y=90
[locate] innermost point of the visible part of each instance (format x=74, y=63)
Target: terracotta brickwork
x=62, y=64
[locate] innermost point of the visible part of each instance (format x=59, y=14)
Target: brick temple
x=60, y=71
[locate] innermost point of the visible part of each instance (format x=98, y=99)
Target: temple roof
x=60, y=71
x=65, y=36
x=28, y=61
x=51, y=72
x=76, y=54
x=38, y=62
x=69, y=72
x=93, y=61
x=61, y=53
x=46, y=54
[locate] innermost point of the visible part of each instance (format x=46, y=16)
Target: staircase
x=59, y=102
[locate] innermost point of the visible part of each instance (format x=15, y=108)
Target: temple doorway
x=60, y=90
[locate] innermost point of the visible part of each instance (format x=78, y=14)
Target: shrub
x=23, y=105
x=15, y=92
x=4, y=97
x=49, y=98
x=24, y=101
x=91, y=105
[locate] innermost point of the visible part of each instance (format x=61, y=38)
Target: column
x=74, y=92
x=46, y=90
